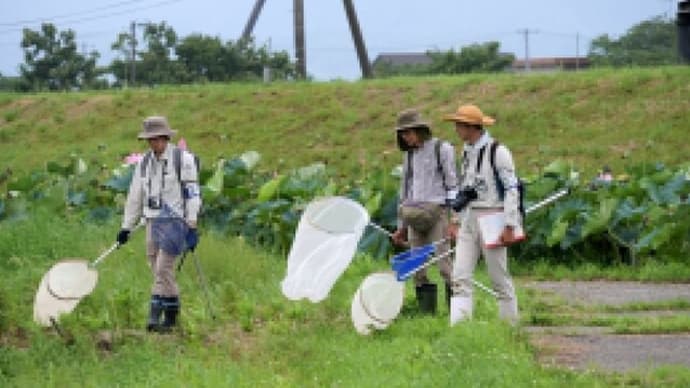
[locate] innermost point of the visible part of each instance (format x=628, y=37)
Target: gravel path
x=581, y=348
x=614, y=293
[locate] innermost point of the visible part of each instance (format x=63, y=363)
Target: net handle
x=112, y=248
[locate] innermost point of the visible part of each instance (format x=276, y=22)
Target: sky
x=556, y=27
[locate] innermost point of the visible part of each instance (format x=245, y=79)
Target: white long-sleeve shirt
x=484, y=181
x=161, y=183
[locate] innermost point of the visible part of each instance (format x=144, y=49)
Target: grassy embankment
x=259, y=338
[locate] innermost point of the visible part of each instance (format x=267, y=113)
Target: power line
x=103, y=16
x=68, y=15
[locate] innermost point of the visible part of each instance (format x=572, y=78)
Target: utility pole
x=526, y=33
x=299, y=39
x=247, y=32
x=364, y=63
x=577, y=51
x=133, y=43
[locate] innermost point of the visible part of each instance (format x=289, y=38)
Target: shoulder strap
x=492, y=158
x=439, y=165
x=145, y=163
x=480, y=159
x=177, y=162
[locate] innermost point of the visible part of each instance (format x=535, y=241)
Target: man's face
x=466, y=131
x=410, y=137
x=157, y=144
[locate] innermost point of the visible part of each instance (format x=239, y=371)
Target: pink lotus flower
x=133, y=158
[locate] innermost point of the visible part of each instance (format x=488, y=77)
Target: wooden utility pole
x=247, y=32
x=300, y=50
x=526, y=33
x=133, y=43
x=299, y=39
x=364, y=63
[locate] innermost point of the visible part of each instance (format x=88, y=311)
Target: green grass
x=650, y=271
x=258, y=339
x=615, y=117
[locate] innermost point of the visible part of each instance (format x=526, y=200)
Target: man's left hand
x=192, y=239
x=508, y=235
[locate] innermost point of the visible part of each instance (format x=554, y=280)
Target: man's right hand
x=399, y=237
x=122, y=236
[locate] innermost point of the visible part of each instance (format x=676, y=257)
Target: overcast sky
x=387, y=25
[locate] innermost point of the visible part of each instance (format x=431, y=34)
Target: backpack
x=499, y=183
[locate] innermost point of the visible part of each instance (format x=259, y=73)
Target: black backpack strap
x=500, y=189
x=439, y=165
x=480, y=159
x=145, y=161
x=177, y=162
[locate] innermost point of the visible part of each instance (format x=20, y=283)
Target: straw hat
x=155, y=126
x=469, y=114
x=410, y=118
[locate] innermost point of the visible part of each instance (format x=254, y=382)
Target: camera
x=154, y=203
x=464, y=197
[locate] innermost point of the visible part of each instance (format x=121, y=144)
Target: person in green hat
x=427, y=184
x=164, y=191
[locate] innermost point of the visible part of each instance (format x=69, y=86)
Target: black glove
x=123, y=236
x=192, y=239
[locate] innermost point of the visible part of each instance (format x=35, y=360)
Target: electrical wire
x=103, y=16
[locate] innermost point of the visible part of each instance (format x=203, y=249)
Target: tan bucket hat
x=410, y=118
x=470, y=114
x=155, y=126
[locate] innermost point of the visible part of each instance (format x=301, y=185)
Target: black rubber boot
x=155, y=310
x=426, y=298
x=171, y=308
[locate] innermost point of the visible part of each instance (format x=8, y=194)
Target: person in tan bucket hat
x=428, y=182
x=482, y=192
x=164, y=191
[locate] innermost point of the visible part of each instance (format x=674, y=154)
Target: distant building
x=550, y=64
x=402, y=59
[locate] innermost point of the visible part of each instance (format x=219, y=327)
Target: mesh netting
x=168, y=232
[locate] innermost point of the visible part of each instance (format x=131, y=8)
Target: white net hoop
x=377, y=302
x=324, y=245
x=71, y=279
x=48, y=308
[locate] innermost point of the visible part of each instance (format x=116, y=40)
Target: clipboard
x=491, y=226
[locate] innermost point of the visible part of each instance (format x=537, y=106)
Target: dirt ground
x=594, y=347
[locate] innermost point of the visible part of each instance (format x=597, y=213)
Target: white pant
x=467, y=250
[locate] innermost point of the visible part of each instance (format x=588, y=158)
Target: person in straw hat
x=428, y=182
x=165, y=191
x=481, y=193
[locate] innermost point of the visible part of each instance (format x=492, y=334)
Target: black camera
x=464, y=197
x=154, y=203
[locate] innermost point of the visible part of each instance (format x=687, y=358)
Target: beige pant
x=162, y=267
x=436, y=233
x=467, y=251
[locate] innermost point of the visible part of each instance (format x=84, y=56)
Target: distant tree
x=649, y=43
x=195, y=58
x=484, y=57
x=52, y=61
x=157, y=64
x=203, y=58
